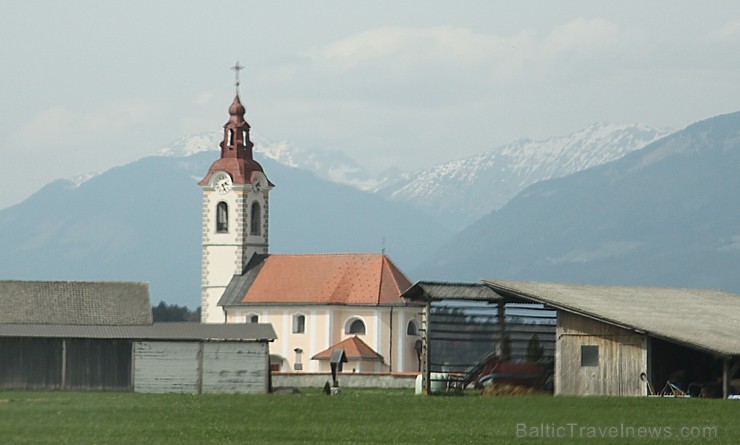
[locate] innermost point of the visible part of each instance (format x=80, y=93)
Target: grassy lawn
x=356, y=416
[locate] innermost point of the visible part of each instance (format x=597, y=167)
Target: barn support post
x=64, y=364
x=501, y=321
x=725, y=377
x=132, y=381
x=426, y=383
x=199, y=383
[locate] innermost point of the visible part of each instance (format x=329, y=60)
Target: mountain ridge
x=476, y=185
x=142, y=222
x=665, y=215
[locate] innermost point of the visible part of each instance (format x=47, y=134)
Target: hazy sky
x=85, y=86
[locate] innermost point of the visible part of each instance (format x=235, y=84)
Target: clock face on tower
x=222, y=183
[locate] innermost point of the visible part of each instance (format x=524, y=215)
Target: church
x=316, y=303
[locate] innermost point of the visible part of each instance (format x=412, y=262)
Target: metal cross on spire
x=236, y=69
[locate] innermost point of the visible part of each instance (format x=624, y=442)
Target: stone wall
x=346, y=380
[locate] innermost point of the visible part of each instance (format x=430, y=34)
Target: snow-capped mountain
x=456, y=192
x=330, y=165
x=463, y=190
x=665, y=215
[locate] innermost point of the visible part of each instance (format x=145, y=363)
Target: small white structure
x=197, y=358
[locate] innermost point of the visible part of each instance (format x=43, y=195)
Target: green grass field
x=359, y=416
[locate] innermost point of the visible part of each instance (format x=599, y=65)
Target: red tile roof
x=369, y=279
x=354, y=349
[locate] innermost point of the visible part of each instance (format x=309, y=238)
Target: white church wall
x=325, y=325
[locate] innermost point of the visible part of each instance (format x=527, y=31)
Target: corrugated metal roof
x=435, y=291
x=75, y=302
x=156, y=331
x=705, y=319
x=362, y=279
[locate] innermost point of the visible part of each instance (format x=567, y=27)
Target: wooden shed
x=632, y=341
x=203, y=358
x=163, y=357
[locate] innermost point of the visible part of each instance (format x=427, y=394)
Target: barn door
x=630, y=365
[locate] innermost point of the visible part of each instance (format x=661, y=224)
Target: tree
x=167, y=312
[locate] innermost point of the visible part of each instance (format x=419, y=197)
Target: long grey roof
x=75, y=302
x=705, y=319
x=156, y=331
x=436, y=290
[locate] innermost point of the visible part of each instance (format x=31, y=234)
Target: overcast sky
x=85, y=86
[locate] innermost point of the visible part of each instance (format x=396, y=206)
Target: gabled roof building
x=79, y=335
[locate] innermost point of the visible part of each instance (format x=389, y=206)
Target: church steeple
x=236, y=149
x=236, y=142
x=237, y=157
x=235, y=210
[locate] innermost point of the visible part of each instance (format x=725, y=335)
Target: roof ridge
x=356, y=338
x=391, y=267
x=327, y=254
x=76, y=281
x=380, y=280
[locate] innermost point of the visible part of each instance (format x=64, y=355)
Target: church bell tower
x=235, y=211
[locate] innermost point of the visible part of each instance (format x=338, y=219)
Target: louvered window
x=256, y=219
x=222, y=217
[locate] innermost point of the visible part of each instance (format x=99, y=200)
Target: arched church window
x=355, y=326
x=252, y=318
x=231, y=137
x=222, y=217
x=412, y=328
x=244, y=137
x=255, y=220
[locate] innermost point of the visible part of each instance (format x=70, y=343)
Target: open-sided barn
x=609, y=336
x=621, y=340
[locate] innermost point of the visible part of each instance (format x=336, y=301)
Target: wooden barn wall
x=235, y=367
x=30, y=363
x=622, y=357
x=166, y=366
x=201, y=367
x=94, y=364
x=460, y=335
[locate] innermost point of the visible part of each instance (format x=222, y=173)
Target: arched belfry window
x=231, y=137
x=355, y=326
x=255, y=220
x=222, y=217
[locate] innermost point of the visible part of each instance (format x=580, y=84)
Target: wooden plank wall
x=622, y=357
x=30, y=363
x=201, y=367
x=231, y=367
x=166, y=366
x=96, y=365
x=461, y=335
